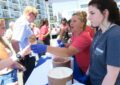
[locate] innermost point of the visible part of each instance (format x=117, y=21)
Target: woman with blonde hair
x=8, y=58
x=79, y=46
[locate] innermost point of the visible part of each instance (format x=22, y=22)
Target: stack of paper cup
x=60, y=76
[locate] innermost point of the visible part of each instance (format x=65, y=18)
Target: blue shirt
x=22, y=32
x=105, y=50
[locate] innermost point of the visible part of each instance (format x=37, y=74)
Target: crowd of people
x=95, y=48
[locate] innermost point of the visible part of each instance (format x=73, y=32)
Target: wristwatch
x=18, y=56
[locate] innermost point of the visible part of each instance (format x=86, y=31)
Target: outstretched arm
x=63, y=52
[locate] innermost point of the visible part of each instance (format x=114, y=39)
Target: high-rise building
x=12, y=9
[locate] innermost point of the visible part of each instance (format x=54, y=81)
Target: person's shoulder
x=85, y=33
x=88, y=28
x=115, y=31
x=61, y=26
x=43, y=27
x=115, y=28
x=21, y=21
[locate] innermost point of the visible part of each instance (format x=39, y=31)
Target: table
x=40, y=72
x=39, y=76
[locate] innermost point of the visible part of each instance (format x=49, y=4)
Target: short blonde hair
x=82, y=16
x=32, y=39
x=2, y=21
x=30, y=9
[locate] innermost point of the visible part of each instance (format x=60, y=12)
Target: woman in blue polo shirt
x=105, y=49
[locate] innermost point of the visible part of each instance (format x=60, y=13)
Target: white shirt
x=22, y=32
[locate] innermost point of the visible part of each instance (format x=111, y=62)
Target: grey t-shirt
x=105, y=50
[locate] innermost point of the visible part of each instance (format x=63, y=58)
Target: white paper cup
x=60, y=76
